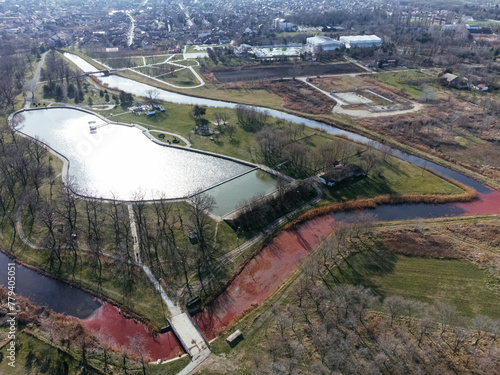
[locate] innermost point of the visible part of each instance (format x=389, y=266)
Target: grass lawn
x=188, y=62
x=411, y=82
x=176, y=119
x=393, y=176
x=122, y=62
x=44, y=358
x=457, y=282
x=172, y=74
x=170, y=368
x=396, y=178
x=209, y=90
x=182, y=77
x=155, y=59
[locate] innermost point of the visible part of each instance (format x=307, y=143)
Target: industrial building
x=328, y=44
x=361, y=41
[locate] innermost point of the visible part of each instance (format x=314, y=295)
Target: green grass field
x=155, y=59
x=182, y=77
x=122, y=62
x=457, y=282
x=36, y=357
x=409, y=81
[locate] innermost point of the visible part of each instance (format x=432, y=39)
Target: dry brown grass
x=348, y=83
x=467, y=138
x=296, y=95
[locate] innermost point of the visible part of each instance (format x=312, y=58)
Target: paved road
x=131, y=30
x=34, y=82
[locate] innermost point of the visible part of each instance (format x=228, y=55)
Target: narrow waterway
x=95, y=315
x=141, y=89
x=266, y=272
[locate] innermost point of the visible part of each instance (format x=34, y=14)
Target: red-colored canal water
x=486, y=204
x=264, y=274
x=108, y=321
x=258, y=281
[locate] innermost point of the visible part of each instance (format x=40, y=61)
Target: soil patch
x=296, y=95
x=282, y=71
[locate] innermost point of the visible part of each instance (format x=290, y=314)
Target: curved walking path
x=360, y=113
x=266, y=272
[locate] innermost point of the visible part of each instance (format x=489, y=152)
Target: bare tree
x=152, y=96
x=138, y=345
x=208, y=254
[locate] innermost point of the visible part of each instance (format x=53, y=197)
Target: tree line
x=328, y=327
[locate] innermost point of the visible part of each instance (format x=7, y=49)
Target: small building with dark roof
x=341, y=173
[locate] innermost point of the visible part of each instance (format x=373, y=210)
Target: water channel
x=63, y=298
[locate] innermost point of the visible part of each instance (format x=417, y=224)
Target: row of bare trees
x=90, y=234
x=12, y=79
x=353, y=330
x=179, y=242
x=282, y=145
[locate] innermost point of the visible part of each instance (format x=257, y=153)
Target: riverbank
x=468, y=195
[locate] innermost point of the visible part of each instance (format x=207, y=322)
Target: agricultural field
x=234, y=75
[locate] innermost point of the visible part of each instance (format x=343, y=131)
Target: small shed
x=452, y=80
x=234, y=338
x=341, y=173
x=193, y=237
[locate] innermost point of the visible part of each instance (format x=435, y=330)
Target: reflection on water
x=140, y=89
x=120, y=162
x=235, y=193
x=406, y=212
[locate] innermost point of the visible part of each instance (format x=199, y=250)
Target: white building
x=281, y=23
x=328, y=44
x=361, y=41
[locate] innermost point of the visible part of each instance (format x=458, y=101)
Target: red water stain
x=263, y=275
x=486, y=204
x=108, y=321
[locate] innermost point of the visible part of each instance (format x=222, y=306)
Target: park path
x=185, y=329
x=361, y=113
x=30, y=96
x=131, y=30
